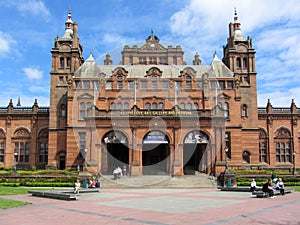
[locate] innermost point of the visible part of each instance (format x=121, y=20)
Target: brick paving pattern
x=156, y=207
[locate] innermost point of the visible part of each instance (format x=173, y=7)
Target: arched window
x=120, y=106
x=22, y=145
x=226, y=110
x=238, y=62
x=283, y=145
x=263, y=146
x=148, y=105
x=113, y=106
x=189, y=106
x=81, y=110
x=161, y=105
x=63, y=110
x=89, y=106
x=188, y=82
x=154, y=105
x=120, y=82
x=43, y=146
x=244, y=110
x=245, y=63
x=196, y=106
x=154, y=82
x=246, y=157
x=182, y=105
x=126, y=106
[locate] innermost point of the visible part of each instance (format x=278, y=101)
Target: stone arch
x=282, y=132
x=22, y=132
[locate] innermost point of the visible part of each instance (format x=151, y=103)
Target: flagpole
x=95, y=92
x=175, y=92
x=135, y=92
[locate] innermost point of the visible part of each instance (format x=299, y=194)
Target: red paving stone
x=155, y=206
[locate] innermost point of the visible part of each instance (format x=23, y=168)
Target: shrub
x=10, y=184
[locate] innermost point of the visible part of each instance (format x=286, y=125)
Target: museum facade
x=151, y=113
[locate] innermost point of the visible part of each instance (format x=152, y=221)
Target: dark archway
x=155, y=153
x=117, y=152
x=195, y=144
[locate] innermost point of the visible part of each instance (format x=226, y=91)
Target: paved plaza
x=156, y=206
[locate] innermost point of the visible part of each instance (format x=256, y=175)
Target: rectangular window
x=143, y=84
x=174, y=60
x=82, y=141
x=1, y=151
x=213, y=84
x=61, y=78
x=68, y=63
x=200, y=86
x=229, y=85
x=262, y=152
x=43, y=156
x=78, y=84
x=62, y=63
x=86, y=84
x=165, y=84
x=222, y=85
x=22, y=150
x=108, y=85
x=131, y=85
x=228, y=143
x=283, y=152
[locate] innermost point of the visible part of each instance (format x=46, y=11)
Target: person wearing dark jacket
x=267, y=187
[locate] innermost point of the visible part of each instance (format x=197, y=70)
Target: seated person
x=267, y=187
x=92, y=184
x=280, y=186
x=77, y=186
x=253, y=185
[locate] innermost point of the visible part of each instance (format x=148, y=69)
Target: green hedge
x=49, y=184
x=10, y=184
x=246, y=181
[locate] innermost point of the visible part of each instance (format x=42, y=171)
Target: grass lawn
x=6, y=203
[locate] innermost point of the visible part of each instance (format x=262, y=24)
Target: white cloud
x=33, y=73
x=6, y=43
x=35, y=7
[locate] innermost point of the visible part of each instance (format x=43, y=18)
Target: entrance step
x=199, y=180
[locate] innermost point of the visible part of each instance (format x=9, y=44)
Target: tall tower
x=66, y=59
x=239, y=56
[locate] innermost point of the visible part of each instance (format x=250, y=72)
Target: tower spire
x=238, y=36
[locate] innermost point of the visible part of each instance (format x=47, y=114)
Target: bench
x=67, y=194
x=54, y=194
x=261, y=194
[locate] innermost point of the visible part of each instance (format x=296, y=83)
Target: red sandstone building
x=151, y=113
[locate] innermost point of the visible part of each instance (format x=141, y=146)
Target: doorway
x=155, y=154
x=195, y=144
x=116, y=152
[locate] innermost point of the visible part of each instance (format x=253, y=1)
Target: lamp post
x=15, y=161
x=85, y=165
x=226, y=158
x=294, y=162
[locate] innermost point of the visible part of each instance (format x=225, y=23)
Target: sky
x=28, y=29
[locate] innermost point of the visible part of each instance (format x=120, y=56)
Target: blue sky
x=28, y=28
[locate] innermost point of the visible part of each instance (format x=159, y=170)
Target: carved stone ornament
x=270, y=120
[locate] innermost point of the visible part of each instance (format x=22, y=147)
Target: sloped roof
x=219, y=69
x=88, y=69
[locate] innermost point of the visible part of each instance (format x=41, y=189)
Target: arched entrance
x=155, y=153
x=194, y=147
x=116, y=153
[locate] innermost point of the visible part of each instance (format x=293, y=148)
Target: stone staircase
x=199, y=180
